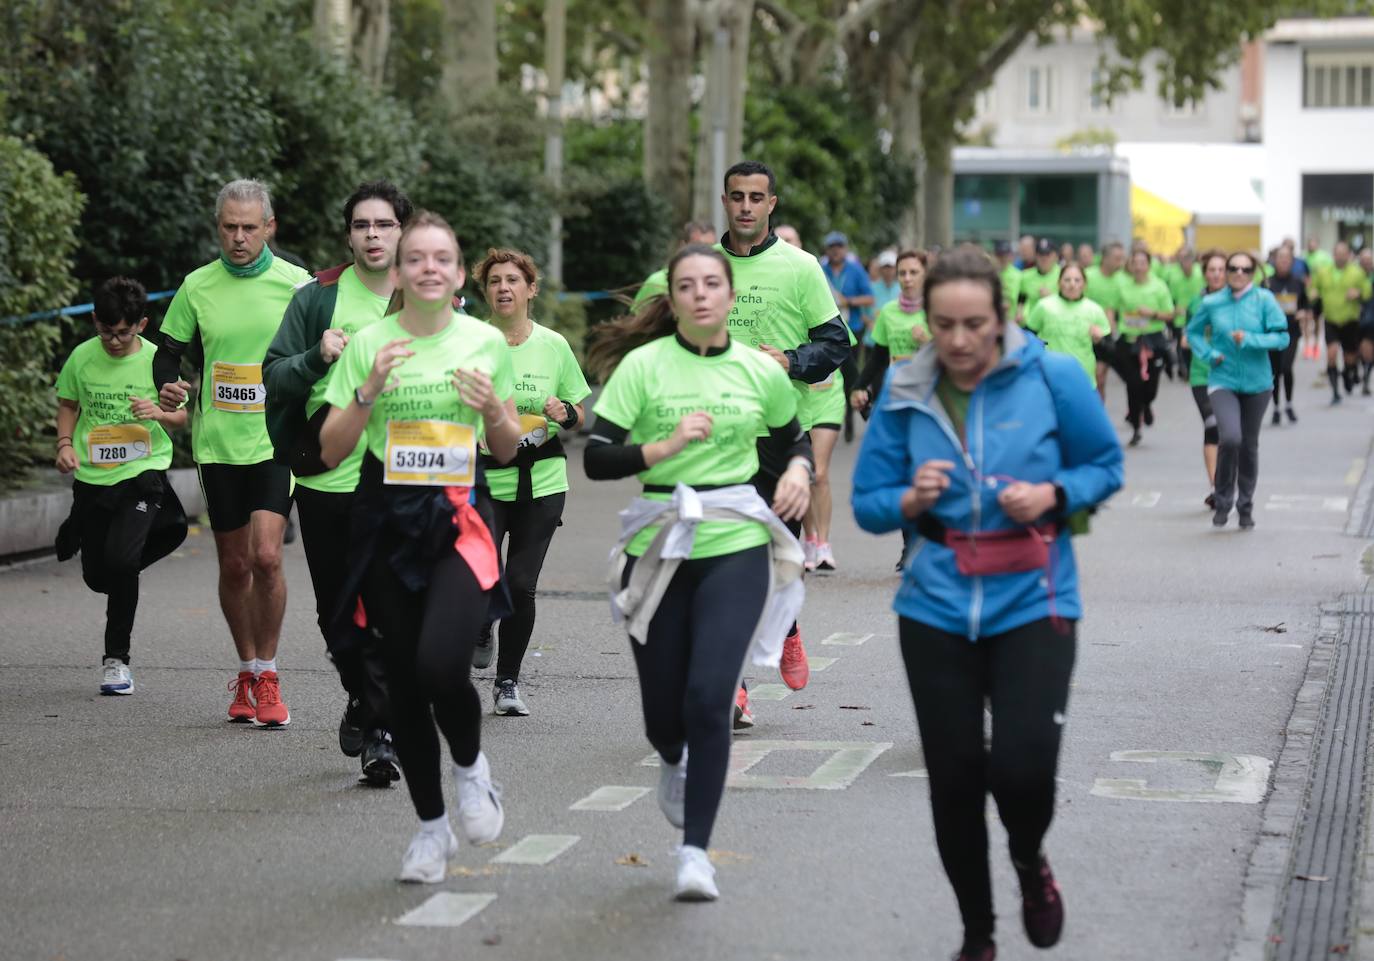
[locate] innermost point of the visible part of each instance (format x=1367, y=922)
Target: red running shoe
x=241, y=709
x=744, y=718
x=794, y=667
x=1042, y=906
x=272, y=710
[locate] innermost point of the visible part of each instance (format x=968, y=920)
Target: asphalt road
x=145, y=827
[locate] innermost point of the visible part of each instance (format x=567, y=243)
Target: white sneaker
x=116, y=678
x=696, y=878
x=426, y=860
x=479, y=804
x=672, y=790
x=825, y=558
x=808, y=554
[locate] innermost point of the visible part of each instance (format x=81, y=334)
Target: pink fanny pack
x=1002, y=552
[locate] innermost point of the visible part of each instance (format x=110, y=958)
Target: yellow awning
x=1156, y=221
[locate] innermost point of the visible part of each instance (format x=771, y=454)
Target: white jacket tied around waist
x=652, y=573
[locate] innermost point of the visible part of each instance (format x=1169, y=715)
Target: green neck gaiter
x=249, y=270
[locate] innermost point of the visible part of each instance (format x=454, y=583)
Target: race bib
x=1134, y=320
x=534, y=430
x=900, y=358
x=115, y=444
x=1289, y=303
x=826, y=384
x=430, y=453
x=238, y=388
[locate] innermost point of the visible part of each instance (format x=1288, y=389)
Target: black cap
x=1045, y=246
x=1001, y=248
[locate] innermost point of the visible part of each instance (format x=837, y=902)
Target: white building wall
x=1069, y=65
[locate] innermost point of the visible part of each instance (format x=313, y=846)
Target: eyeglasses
x=109, y=333
x=1239, y=270
x=368, y=226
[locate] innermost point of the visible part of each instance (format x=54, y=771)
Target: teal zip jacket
x=1244, y=367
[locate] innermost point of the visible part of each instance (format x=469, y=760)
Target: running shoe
x=744, y=718
x=479, y=804
x=672, y=790
x=1277, y=419
x=426, y=860
x=825, y=558
x=351, y=732
x=1042, y=906
x=271, y=708
x=1292, y=415
x=1211, y=501
x=1149, y=416
x=977, y=951
x=1364, y=388
x=508, y=701
x=1247, y=520
x=380, y=766
x=115, y=677
x=696, y=877
x=241, y=710
x=809, y=553
x=793, y=667
x=1135, y=438
x=1220, y=517
x=484, y=651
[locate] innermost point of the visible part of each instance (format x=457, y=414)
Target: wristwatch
x=362, y=401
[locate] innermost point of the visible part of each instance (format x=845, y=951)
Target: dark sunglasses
x=1239, y=270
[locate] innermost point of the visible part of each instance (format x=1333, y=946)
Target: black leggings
x=530, y=525
x=1023, y=675
x=112, y=543
x=355, y=652
x=1140, y=392
x=690, y=666
x=1204, y=409
x=1281, y=361
x=427, y=641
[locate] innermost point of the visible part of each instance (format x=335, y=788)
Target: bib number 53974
x=430, y=453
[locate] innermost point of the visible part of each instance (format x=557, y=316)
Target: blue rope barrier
x=74, y=310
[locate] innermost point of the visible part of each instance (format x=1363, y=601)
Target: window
x=1097, y=98
x=1338, y=78
x=1040, y=90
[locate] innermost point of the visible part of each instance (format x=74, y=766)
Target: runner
x=974, y=631
x=1086, y=257
x=785, y=310
x=527, y=497
x=1184, y=280
x=1366, y=321
x=899, y=331
x=1341, y=287
x=231, y=308
x=1038, y=281
x=787, y=234
x=656, y=284
x=1102, y=287
x=1232, y=331
x=1009, y=272
x=425, y=385
x=110, y=430
x=1214, y=278
x=683, y=412
x=1145, y=309
x=1068, y=322
x=1291, y=293
x=319, y=322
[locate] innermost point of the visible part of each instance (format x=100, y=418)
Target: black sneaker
x=1135, y=439
x=1277, y=419
x=1042, y=906
x=351, y=731
x=380, y=766
x=1247, y=520
x=1149, y=416
x=1292, y=414
x=1220, y=517
x=482, y=653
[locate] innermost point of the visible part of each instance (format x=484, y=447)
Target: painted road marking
x=537, y=849
x=610, y=798
x=769, y=692
x=848, y=759
x=819, y=664
x=1240, y=778
x=446, y=909
x=1146, y=498
x=846, y=640
x=1307, y=502
x=1352, y=476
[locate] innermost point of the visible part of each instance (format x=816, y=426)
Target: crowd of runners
x=424, y=451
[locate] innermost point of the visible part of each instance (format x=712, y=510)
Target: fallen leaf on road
x=854, y=707
x=462, y=872
x=802, y=707
x=632, y=860
x=1311, y=877
x=867, y=724
x=1275, y=628
x=727, y=857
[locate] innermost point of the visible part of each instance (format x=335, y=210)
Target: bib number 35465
x=430, y=453
x=238, y=388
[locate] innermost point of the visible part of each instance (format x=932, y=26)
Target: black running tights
x=1023, y=676
x=112, y=543
x=689, y=669
x=1140, y=390
x=1281, y=361
x=427, y=642
x=530, y=525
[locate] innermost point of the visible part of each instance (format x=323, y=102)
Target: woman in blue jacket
x=1246, y=322
x=982, y=445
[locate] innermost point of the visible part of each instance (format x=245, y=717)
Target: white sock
x=248, y=667
x=475, y=770
x=439, y=826
x=265, y=665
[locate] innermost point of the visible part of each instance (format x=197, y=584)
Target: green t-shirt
x=1011, y=287
x=112, y=444
x=1199, y=371
x=1101, y=289
x=543, y=367
x=1331, y=285
x=1152, y=295
x=1065, y=326
x=414, y=412
x=1316, y=260
x=235, y=319
x=1036, y=286
x=780, y=294
x=655, y=285
x=955, y=402
x=743, y=390
x=356, y=309
x=896, y=330
x=1183, y=288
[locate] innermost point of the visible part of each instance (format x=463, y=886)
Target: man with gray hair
x=231, y=308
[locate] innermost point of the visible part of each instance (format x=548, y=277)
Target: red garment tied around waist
x=474, y=543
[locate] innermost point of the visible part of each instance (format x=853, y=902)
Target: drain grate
x=1316, y=914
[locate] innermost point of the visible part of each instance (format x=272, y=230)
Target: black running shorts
x=234, y=491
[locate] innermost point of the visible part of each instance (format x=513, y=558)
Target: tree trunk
x=668, y=126
x=555, y=64
x=333, y=28
x=469, y=51
x=373, y=40
x=939, y=194
x=740, y=18
x=726, y=52
x=908, y=148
